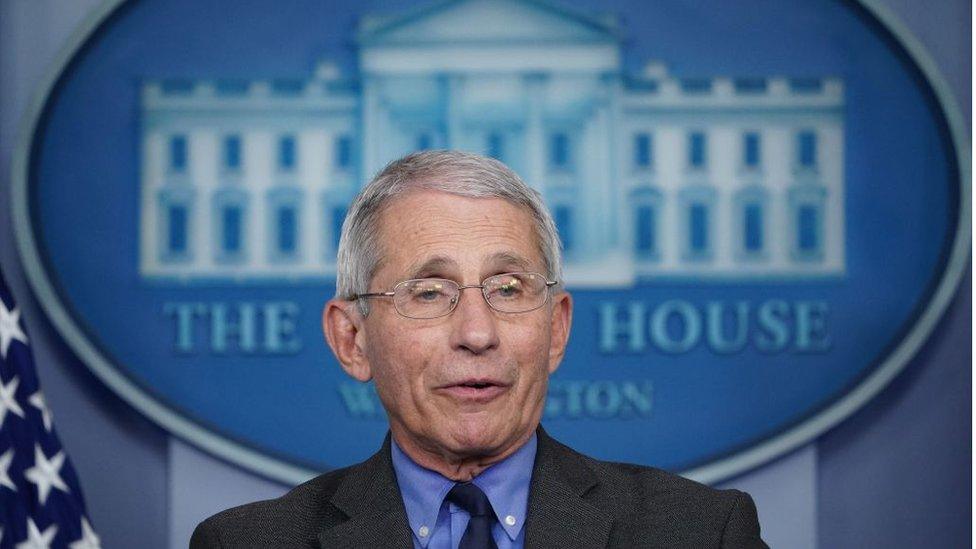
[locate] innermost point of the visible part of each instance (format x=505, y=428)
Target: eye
x=429, y=291
x=427, y=294
x=507, y=287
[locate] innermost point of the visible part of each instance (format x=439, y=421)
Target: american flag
x=40, y=499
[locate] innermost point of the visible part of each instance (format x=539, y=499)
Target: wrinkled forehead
x=426, y=232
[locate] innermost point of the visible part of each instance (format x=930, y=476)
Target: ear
x=561, y=321
x=342, y=324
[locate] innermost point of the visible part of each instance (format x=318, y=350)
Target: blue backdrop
x=902, y=460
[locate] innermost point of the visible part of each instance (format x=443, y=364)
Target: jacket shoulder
x=292, y=520
x=650, y=506
x=644, y=483
x=684, y=511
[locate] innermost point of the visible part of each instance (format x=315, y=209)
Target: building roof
x=480, y=21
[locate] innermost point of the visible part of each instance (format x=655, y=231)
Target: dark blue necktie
x=469, y=497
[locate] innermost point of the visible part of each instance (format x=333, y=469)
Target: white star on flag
x=37, y=539
x=8, y=402
x=9, y=328
x=5, y=461
x=37, y=400
x=46, y=474
x=21, y=504
x=88, y=538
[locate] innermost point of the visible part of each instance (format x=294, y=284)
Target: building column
x=617, y=188
x=535, y=161
x=370, y=123
x=452, y=111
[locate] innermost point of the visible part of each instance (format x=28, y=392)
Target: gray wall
x=896, y=474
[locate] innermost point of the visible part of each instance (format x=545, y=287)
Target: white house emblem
x=755, y=243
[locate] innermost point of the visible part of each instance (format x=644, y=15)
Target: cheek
x=531, y=350
x=398, y=368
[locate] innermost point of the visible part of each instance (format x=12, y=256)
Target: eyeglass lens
x=434, y=297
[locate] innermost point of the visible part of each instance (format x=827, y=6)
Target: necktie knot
x=469, y=497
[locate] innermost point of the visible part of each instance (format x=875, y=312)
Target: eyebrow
x=508, y=260
x=441, y=263
x=437, y=263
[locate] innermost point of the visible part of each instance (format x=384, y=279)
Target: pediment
x=485, y=22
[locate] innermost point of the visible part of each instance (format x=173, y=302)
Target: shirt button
x=510, y=520
x=423, y=531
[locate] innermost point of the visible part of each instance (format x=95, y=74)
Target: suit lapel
x=370, y=497
x=559, y=514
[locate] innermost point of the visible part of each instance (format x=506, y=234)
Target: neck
x=455, y=466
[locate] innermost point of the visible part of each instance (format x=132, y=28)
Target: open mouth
x=476, y=390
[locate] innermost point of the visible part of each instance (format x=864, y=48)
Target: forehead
x=439, y=231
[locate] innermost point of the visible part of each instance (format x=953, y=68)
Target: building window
x=808, y=229
x=807, y=208
x=177, y=228
x=749, y=222
x=496, y=146
x=563, y=216
x=807, y=149
x=559, y=150
x=333, y=214
x=645, y=241
x=286, y=222
x=697, y=153
x=752, y=226
x=232, y=153
x=751, y=152
x=178, y=153
x=231, y=224
x=175, y=211
x=286, y=153
x=343, y=152
x=696, y=203
x=698, y=228
x=643, y=151
x=230, y=215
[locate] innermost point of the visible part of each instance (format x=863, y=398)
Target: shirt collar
x=506, y=484
x=423, y=491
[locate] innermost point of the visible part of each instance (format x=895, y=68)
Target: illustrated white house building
x=647, y=174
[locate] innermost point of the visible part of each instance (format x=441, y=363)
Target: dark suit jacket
x=574, y=501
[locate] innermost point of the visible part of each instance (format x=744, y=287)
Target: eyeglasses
x=425, y=298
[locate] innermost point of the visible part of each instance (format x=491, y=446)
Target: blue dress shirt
x=439, y=524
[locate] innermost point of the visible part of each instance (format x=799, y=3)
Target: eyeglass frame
x=391, y=293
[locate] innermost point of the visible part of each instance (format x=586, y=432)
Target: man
x=449, y=300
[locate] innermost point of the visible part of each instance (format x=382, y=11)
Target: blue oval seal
x=760, y=229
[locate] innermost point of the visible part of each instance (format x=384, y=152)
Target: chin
x=476, y=438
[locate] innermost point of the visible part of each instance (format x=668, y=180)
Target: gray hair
x=454, y=172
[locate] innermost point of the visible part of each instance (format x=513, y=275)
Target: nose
x=474, y=327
